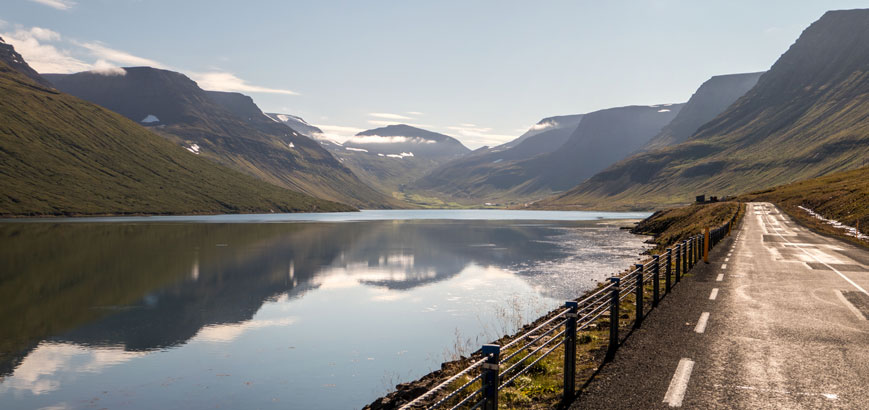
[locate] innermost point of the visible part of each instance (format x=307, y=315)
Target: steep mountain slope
x=226, y=127
x=546, y=136
x=600, y=139
x=711, y=99
x=806, y=117
x=14, y=60
x=298, y=124
x=60, y=155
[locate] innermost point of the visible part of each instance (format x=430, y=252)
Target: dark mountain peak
x=15, y=61
x=402, y=138
x=710, y=100
x=404, y=130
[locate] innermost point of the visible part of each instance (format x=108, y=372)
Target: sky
x=480, y=71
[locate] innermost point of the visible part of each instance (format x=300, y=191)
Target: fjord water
x=314, y=311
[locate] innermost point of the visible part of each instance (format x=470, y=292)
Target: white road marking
x=827, y=265
x=679, y=383
x=724, y=266
x=713, y=294
x=850, y=306
x=701, y=323
x=720, y=277
x=727, y=259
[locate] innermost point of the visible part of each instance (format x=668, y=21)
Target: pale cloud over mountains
x=56, y=4
x=47, y=51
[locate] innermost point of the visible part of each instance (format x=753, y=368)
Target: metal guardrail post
x=684, y=257
x=614, y=321
x=669, y=270
x=706, y=245
x=656, y=280
x=678, y=262
x=490, y=376
x=570, y=352
x=638, y=319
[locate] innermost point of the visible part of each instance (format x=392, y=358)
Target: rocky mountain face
x=13, y=60
x=539, y=165
x=225, y=127
x=60, y=155
x=807, y=116
x=711, y=99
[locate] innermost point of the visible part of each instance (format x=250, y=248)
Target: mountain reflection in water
x=91, y=297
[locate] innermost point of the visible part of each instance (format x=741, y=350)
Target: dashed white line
x=727, y=259
x=720, y=277
x=713, y=294
x=850, y=306
x=679, y=383
x=724, y=266
x=701, y=323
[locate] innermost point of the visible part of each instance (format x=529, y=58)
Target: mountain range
x=64, y=156
x=225, y=127
x=807, y=116
x=528, y=171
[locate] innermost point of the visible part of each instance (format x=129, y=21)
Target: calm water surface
x=315, y=311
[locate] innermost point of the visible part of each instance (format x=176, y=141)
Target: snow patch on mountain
x=356, y=149
x=402, y=155
x=194, y=148
x=151, y=118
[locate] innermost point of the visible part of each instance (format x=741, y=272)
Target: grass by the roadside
x=843, y=196
x=673, y=225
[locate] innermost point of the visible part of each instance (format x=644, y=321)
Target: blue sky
x=482, y=71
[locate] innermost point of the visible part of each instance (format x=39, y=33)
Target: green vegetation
x=64, y=156
x=843, y=196
x=806, y=117
x=676, y=224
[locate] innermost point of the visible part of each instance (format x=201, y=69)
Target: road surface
x=778, y=319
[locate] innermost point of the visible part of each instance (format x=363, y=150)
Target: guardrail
x=477, y=385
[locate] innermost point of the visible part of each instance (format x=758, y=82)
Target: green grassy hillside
x=806, y=117
x=60, y=155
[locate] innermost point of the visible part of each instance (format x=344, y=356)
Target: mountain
x=225, y=127
x=546, y=136
x=60, y=155
x=711, y=99
x=298, y=124
x=807, y=116
x=407, y=141
x=527, y=171
x=14, y=61
x=387, y=158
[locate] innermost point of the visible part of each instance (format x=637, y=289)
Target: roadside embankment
x=842, y=197
x=673, y=225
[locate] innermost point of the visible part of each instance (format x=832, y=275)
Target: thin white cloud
x=57, y=4
x=378, y=139
x=543, y=125
x=389, y=116
x=44, y=58
x=478, y=136
x=106, y=68
x=415, y=113
x=338, y=133
x=224, y=81
x=117, y=56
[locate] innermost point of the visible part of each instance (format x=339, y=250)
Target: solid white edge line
x=714, y=294
x=720, y=277
x=679, y=383
x=701, y=323
x=850, y=306
x=823, y=263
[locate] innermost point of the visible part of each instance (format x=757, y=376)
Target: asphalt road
x=778, y=319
